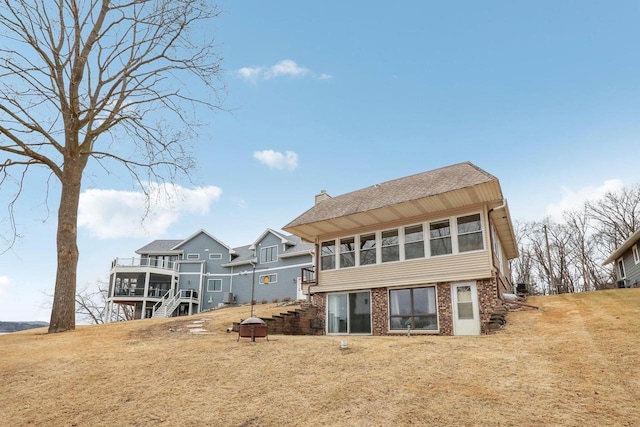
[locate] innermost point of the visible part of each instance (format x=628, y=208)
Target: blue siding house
x=627, y=262
x=182, y=277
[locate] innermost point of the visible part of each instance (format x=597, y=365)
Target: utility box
x=228, y=298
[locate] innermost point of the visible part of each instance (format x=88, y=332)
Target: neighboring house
x=180, y=277
x=426, y=253
x=627, y=262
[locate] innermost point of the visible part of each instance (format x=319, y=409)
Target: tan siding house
x=426, y=254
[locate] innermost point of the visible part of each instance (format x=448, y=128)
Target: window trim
x=347, y=293
x=450, y=236
x=193, y=256
x=397, y=245
x=273, y=278
x=353, y=251
x=215, y=255
x=403, y=254
x=622, y=271
x=213, y=281
x=453, y=242
x=481, y=231
x=333, y=255
x=416, y=331
x=636, y=255
x=274, y=254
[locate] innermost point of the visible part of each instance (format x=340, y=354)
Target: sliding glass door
x=349, y=313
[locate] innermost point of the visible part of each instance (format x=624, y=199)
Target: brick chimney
x=322, y=196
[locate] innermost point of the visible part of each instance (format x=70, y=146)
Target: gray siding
x=632, y=269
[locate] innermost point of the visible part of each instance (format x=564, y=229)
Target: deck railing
x=145, y=262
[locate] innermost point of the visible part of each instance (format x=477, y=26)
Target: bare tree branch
x=99, y=80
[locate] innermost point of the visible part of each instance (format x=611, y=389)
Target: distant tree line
x=567, y=256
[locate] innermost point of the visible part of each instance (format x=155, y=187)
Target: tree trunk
x=63, y=310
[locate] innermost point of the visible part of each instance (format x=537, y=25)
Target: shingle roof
x=158, y=246
x=397, y=191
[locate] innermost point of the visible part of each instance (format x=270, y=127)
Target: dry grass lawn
x=577, y=363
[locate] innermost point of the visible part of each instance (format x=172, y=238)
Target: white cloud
x=572, y=200
x=5, y=282
x=284, y=68
x=277, y=160
x=250, y=73
x=113, y=213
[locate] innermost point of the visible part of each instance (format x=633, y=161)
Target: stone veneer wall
x=487, y=300
x=380, y=310
x=445, y=310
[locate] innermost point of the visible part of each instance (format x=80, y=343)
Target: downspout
x=316, y=265
x=502, y=206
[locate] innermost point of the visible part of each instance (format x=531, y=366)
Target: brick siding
x=487, y=300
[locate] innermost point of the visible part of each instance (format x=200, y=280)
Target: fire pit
x=253, y=328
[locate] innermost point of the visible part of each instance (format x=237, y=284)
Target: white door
x=300, y=294
x=466, y=316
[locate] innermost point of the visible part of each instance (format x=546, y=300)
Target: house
x=427, y=254
x=199, y=273
x=627, y=262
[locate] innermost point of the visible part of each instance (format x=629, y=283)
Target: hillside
x=20, y=326
x=573, y=364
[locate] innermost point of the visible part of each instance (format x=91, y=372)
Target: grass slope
x=574, y=364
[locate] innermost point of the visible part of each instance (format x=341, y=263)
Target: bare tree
x=616, y=217
x=91, y=305
x=579, y=244
x=99, y=80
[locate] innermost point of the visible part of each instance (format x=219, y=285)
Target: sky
x=338, y=96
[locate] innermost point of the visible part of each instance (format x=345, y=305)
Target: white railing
x=144, y=262
x=168, y=304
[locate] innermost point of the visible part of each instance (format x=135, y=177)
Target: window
x=328, y=255
x=465, y=302
x=636, y=257
x=273, y=278
x=193, y=256
x=368, y=249
x=440, y=235
x=414, y=307
x=347, y=252
x=215, y=256
x=389, y=246
x=621, y=272
x=413, y=242
x=214, y=285
x=469, y=233
x=349, y=313
x=269, y=254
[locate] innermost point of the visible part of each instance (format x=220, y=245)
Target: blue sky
x=338, y=96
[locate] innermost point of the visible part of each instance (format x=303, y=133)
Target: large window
x=440, y=235
x=347, y=252
x=368, y=249
x=269, y=254
x=214, y=285
x=469, y=233
x=328, y=255
x=414, y=308
x=413, y=242
x=389, y=246
x=349, y=313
